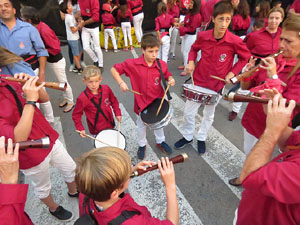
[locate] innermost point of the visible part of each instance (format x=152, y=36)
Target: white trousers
x=137, y=23
x=110, y=33
x=126, y=29
x=190, y=111
x=164, y=48
x=249, y=142
x=40, y=174
x=141, y=133
x=236, y=106
x=46, y=107
x=59, y=69
x=174, y=33
x=86, y=35
x=186, y=44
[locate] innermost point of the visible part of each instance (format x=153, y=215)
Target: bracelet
x=33, y=103
x=121, y=83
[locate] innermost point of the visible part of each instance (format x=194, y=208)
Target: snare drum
x=110, y=136
x=149, y=118
x=199, y=94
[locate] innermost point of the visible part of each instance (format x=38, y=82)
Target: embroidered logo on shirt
x=222, y=58
x=107, y=102
x=21, y=45
x=156, y=81
x=87, y=10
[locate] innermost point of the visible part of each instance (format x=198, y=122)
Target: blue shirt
x=18, y=67
x=23, y=39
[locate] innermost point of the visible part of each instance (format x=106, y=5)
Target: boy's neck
x=105, y=205
x=219, y=35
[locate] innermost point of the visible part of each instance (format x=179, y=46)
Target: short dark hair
x=64, y=6
x=30, y=13
x=223, y=7
x=149, y=41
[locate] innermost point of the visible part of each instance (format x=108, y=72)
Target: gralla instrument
x=112, y=137
x=38, y=143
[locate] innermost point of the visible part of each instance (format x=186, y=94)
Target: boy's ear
x=114, y=194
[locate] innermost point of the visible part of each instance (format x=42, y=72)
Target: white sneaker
x=71, y=68
x=82, y=64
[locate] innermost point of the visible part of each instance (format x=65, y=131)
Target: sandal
x=69, y=107
x=63, y=103
x=235, y=182
x=180, y=67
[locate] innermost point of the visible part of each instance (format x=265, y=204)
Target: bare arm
x=42, y=61
x=74, y=29
x=123, y=86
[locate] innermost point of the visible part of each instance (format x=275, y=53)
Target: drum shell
x=113, y=134
x=199, y=94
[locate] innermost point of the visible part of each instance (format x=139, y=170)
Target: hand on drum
x=167, y=173
x=142, y=165
x=82, y=134
x=171, y=81
x=228, y=77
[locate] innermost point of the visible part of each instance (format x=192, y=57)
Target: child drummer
x=96, y=102
x=144, y=74
x=218, y=49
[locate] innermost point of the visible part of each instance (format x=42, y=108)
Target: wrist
x=122, y=82
x=33, y=103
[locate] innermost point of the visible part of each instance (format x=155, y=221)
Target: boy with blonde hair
x=96, y=102
x=103, y=174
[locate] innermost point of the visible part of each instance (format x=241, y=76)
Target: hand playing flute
x=142, y=165
x=269, y=64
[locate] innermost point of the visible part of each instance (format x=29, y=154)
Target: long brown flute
x=38, y=143
x=177, y=159
x=233, y=97
x=251, y=71
x=53, y=85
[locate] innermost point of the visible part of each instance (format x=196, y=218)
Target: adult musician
x=286, y=68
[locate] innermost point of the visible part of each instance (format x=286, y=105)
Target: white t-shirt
x=71, y=22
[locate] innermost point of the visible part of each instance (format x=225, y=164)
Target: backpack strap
x=125, y=215
x=163, y=79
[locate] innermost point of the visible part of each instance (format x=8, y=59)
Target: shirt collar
x=141, y=61
x=211, y=37
x=90, y=95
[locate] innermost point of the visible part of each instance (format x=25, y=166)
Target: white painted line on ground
x=222, y=156
x=148, y=189
x=135, y=55
x=38, y=211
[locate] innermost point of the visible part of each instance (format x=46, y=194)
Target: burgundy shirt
x=125, y=203
x=136, y=6
x=108, y=20
x=207, y=9
x=217, y=58
x=238, y=23
x=271, y=194
x=164, y=21
x=175, y=11
x=262, y=43
x=191, y=23
x=144, y=79
x=296, y=6
x=12, y=204
x=9, y=118
x=128, y=15
x=85, y=105
x=89, y=8
x=254, y=118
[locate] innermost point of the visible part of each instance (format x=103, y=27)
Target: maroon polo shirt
x=217, y=58
x=136, y=6
x=238, y=23
x=108, y=20
x=191, y=23
x=144, y=79
x=174, y=11
x=164, y=21
x=128, y=14
x=89, y=8
x=296, y=6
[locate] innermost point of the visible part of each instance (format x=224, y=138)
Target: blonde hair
x=101, y=171
x=292, y=23
x=91, y=71
x=7, y=57
x=276, y=9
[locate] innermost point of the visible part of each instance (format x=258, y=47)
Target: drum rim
x=166, y=100
x=158, y=125
x=184, y=86
x=107, y=143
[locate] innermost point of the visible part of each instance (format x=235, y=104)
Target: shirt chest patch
x=156, y=81
x=223, y=57
x=21, y=45
x=87, y=10
x=107, y=102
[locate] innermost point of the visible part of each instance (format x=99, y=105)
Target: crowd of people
x=218, y=37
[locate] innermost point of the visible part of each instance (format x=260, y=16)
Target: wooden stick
x=218, y=78
x=162, y=100
x=91, y=137
x=118, y=138
x=192, y=76
x=135, y=92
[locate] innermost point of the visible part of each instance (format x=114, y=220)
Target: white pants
x=249, y=142
x=46, y=107
x=174, y=33
x=164, y=48
x=141, y=133
x=236, y=106
x=126, y=29
x=235, y=217
x=186, y=44
x=86, y=35
x=109, y=33
x=40, y=174
x=137, y=23
x=190, y=111
x=59, y=69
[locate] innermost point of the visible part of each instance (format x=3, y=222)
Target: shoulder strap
x=163, y=79
x=125, y=215
x=18, y=102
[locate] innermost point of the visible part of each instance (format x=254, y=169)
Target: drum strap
x=163, y=79
x=99, y=110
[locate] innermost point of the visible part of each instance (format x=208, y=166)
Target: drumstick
x=134, y=92
x=218, y=78
x=162, y=100
x=118, y=138
x=192, y=73
x=91, y=137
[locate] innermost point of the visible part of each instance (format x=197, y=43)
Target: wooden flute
x=53, y=85
x=38, y=143
x=177, y=159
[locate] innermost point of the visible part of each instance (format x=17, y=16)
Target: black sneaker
x=182, y=143
x=201, y=147
x=62, y=214
x=165, y=148
x=95, y=63
x=141, y=152
x=76, y=195
x=101, y=69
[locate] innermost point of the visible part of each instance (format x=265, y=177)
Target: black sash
x=18, y=102
x=163, y=79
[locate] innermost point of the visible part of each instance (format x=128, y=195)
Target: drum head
x=148, y=115
x=110, y=136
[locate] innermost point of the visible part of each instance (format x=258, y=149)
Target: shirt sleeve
x=279, y=180
x=37, y=43
x=95, y=10
x=121, y=67
x=77, y=114
x=115, y=103
x=243, y=55
x=157, y=26
x=18, y=67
